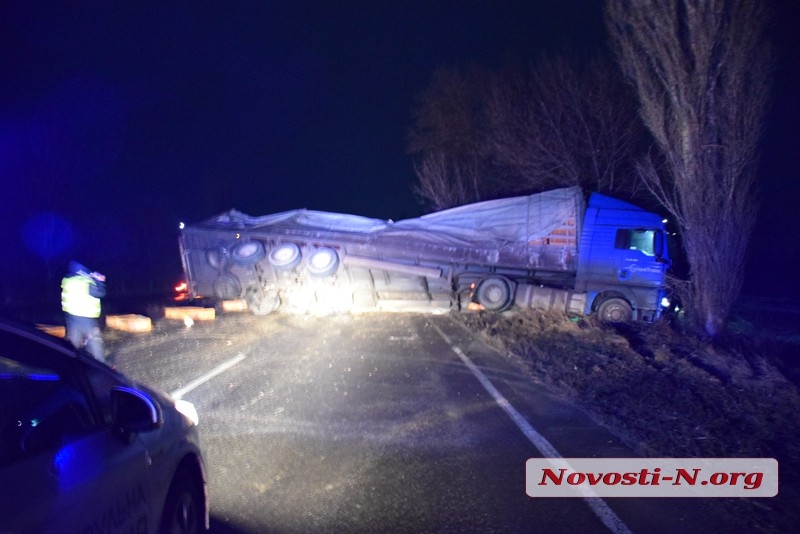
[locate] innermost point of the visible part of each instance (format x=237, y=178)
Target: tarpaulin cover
x=493, y=223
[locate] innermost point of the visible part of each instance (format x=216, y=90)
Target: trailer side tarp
x=490, y=224
x=506, y=221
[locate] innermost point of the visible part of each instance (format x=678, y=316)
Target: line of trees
x=676, y=120
x=480, y=134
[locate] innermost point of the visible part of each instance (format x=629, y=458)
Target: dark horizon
x=119, y=122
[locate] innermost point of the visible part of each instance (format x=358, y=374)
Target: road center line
x=595, y=503
x=202, y=379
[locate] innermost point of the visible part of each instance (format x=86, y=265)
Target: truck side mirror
x=660, y=244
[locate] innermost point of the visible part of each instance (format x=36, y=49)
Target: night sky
x=117, y=123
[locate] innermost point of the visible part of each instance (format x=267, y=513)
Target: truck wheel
x=494, y=293
x=285, y=256
x=615, y=310
x=227, y=287
x=248, y=252
x=322, y=262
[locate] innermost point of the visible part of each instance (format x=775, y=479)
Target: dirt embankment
x=667, y=394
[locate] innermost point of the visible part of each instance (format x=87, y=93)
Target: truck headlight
x=665, y=303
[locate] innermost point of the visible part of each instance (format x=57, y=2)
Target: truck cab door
x=640, y=257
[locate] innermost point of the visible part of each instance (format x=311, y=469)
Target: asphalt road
x=378, y=423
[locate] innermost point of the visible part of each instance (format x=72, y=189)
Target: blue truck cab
x=622, y=260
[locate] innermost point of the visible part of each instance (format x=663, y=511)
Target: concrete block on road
x=234, y=305
x=195, y=313
x=129, y=323
x=53, y=330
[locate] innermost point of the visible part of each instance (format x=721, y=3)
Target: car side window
x=40, y=410
x=102, y=383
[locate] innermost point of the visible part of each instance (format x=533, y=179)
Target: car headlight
x=188, y=410
x=665, y=303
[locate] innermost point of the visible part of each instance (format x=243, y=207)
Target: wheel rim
x=323, y=262
x=184, y=520
x=615, y=311
x=285, y=256
x=494, y=294
x=248, y=252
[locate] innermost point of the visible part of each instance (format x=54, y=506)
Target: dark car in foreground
x=85, y=449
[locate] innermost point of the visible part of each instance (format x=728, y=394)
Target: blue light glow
x=30, y=376
x=77, y=462
x=47, y=235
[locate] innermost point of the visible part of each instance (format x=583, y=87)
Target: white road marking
x=595, y=503
x=202, y=379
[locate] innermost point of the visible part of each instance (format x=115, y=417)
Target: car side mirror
x=134, y=411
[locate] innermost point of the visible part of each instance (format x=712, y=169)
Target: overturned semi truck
x=551, y=250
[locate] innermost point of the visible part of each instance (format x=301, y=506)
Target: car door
x=62, y=468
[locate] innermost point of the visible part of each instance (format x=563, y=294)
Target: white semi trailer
x=548, y=250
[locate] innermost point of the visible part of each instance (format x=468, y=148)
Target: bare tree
x=555, y=124
x=445, y=182
x=701, y=71
x=480, y=134
x=448, y=112
x=447, y=139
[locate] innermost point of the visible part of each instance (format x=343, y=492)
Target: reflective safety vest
x=75, y=297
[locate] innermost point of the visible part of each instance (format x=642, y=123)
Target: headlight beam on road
x=202, y=379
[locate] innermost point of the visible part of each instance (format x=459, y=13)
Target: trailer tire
x=217, y=257
x=615, y=310
x=248, y=252
x=227, y=287
x=262, y=304
x=285, y=256
x=322, y=262
x=494, y=293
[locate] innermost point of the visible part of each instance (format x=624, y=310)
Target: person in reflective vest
x=81, y=291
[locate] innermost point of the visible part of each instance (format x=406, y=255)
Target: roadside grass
x=667, y=394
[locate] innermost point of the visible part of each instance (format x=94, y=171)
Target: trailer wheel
x=248, y=252
x=217, y=257
x=262, y=304
x=227, y=287
x=494, y=293
x=322, y=262
x=285, y=256
x=615, y=310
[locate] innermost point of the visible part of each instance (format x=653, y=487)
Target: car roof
x=23, y=330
